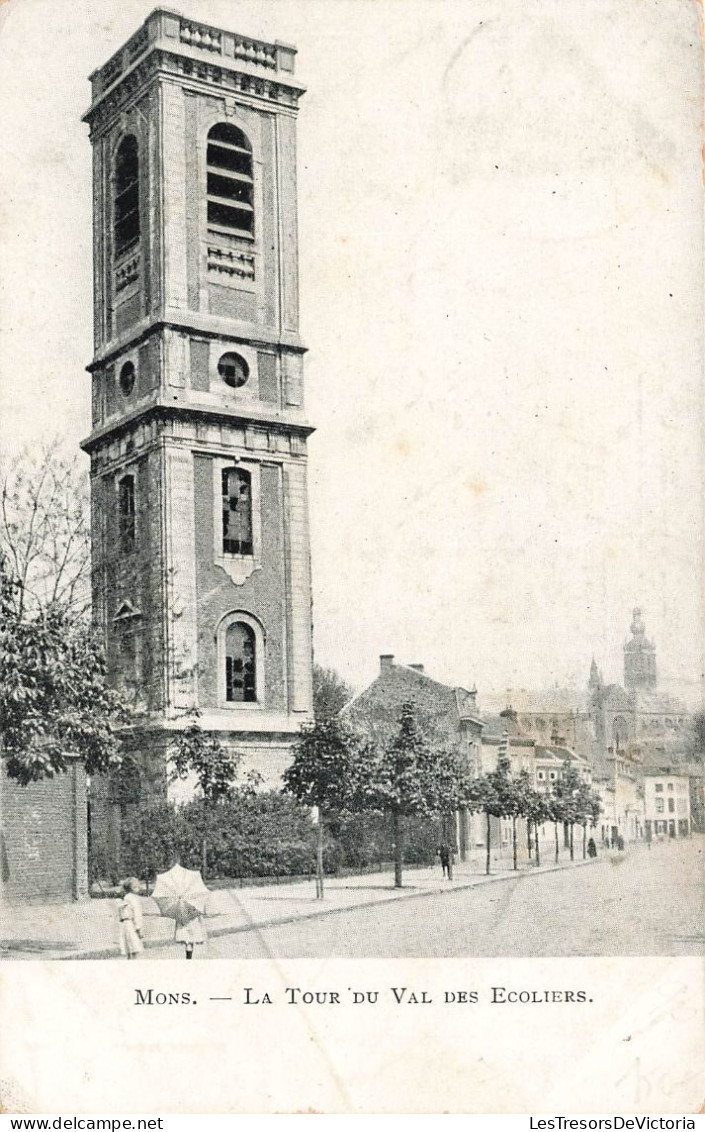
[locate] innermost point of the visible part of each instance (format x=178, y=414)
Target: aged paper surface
x=500, y=212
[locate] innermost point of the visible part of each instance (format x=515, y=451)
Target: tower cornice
x=159, y=408
x=193, y=322
x=169, y=44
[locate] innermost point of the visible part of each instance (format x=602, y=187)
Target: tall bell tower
x=201, y=571
x=639, y=658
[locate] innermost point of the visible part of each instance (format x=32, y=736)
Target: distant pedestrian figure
x=620, y=843
x=130, y=914
x=446, y=854
x=592, y=848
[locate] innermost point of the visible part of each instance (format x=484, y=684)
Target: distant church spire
x=639, y=657
x=595, y=680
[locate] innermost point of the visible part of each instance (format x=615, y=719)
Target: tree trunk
x=204, y=843
x=528, y=835
x=572, y=826
x=319, y=857
x=555, y=828
x=398, y=848
x=514, y=843
x=538, y=853
x=584, y=841
x=487, y=859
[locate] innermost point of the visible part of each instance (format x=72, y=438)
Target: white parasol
x=181, y=894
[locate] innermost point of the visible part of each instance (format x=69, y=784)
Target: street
x=642, y=902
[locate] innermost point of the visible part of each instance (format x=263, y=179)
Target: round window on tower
x=233, y=369
x=127, y=379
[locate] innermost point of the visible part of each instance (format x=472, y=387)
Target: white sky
x=501, y=269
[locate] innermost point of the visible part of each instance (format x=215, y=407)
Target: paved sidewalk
x=89, y=929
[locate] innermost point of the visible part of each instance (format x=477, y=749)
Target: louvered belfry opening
x=127, y=200
x=230, y=183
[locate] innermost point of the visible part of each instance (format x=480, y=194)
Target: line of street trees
x=404, y=770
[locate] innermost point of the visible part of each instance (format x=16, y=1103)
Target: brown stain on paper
x=476, y=485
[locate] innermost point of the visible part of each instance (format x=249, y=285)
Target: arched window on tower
x=240, y=663
x=229, y=185
x=237, y=511
x=127, y=196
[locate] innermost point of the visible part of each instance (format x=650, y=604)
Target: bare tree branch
x=44, y=530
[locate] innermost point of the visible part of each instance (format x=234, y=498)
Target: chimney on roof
x=416, y=667
x=386, y=660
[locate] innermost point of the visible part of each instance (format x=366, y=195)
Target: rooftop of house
x=399, y=682
x=559, y=755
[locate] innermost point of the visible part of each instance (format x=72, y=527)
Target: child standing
x=191, y=933
x=130, y=913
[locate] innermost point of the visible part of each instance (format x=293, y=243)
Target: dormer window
x=230, y=183
x=127, y=200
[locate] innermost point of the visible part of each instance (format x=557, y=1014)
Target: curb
x=320, y=913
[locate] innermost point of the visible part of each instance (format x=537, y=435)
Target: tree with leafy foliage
x=200, y=753
x=522, y=802
x=55, y=701
x=589, y=806
x=494, y=794
x=409, y=771
x=330, y=692
x=322, y=773
x=573, y=802
x=537, y=810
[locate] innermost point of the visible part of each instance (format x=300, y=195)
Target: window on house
x=237, y=511
x=658, y=787
x=126, y=513
x=552, y=775
x=229, y=187
x=541, y=775
x=127, y=197
x=240, y=664
x=670, y=787
x=671, y=805
x=659, y=805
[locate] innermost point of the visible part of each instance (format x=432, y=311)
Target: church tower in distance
x=639, y=658
x=201, y=568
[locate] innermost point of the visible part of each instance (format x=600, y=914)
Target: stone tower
x=201, y=571
x=639, y=658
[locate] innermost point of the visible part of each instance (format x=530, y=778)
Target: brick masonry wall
x=43, y=838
